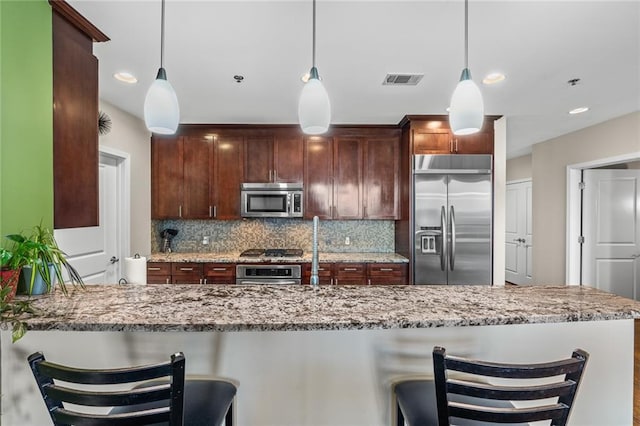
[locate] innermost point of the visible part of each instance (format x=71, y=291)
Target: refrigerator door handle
x=443, y=225
x=452, y=246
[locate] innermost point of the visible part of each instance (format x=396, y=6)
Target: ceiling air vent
x=402, y=79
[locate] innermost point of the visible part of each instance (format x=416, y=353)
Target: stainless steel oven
x=268, y=274
x=271, y=200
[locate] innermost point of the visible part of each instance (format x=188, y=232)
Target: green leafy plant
x=14, y=312
x=40, y=251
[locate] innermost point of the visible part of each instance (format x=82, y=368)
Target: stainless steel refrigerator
x=452, y=219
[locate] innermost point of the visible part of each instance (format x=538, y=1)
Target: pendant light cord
x=313, y=50
x=162, y=37
x=466, y=33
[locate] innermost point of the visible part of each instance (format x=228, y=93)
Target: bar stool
x=470, y=399
x=167, y=399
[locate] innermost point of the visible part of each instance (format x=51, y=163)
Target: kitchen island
x=327, y=356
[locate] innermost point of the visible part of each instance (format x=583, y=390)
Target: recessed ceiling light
x=579, y=110
x=125, y=77
x=493, y=78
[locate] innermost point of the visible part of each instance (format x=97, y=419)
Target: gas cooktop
x=272, y=253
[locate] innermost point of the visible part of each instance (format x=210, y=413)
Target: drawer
x=386, y=269
x=324, y=270
x=158, y=279
x=158, y=268
x=347, y=270
x=219, y=269
x=186, y=268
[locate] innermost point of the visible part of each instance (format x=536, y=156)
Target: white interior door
x=94, y=251
x=519, y=233
x=611, y=249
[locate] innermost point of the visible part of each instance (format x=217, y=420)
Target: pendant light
x=314, y=108
x=161, y=109
x=466, y=109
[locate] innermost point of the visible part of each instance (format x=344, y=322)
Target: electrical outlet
x=205, y=240
x=347, y=241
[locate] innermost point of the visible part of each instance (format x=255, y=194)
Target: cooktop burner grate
x=272, y=253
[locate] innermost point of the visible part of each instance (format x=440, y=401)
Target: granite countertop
x=284, y=308
x=234, y=257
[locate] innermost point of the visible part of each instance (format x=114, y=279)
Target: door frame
x=574, y=211
x=123, y=194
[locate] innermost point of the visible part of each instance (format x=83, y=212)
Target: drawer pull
x=386, y=269
x=153, y=269
x=219, y=269
x=350, y=269
x=186, y=269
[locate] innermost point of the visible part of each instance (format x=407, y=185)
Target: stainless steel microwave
x=271, y=200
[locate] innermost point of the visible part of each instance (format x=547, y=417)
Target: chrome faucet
x=314, y=256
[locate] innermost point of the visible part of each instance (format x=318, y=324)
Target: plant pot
x=39, y=285
x=9, y=278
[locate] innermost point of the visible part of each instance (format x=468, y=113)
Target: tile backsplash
x=364, y=236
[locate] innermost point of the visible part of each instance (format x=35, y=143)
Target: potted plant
x=44, y=261
x=8, y=273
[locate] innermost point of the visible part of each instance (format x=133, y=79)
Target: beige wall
x=549, y=172
x=129, y=134
x=519, y=168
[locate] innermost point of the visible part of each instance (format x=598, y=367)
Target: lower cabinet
x=191, y=273
x=387, y=273
x=219, y=273
x=158, y=273
x=186, y=273
x=358, y=273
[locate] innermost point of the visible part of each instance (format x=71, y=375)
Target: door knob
x=113, y=259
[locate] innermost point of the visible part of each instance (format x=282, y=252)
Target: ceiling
x=539, y=45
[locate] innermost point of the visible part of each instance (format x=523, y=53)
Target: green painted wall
x=26, y=125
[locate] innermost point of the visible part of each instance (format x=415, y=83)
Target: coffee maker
x=167, y=235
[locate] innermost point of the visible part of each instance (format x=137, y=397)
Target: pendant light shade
x=314, y=107
x=466, y=109
x=161, y=109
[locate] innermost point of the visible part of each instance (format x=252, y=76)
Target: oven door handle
x=268, y=282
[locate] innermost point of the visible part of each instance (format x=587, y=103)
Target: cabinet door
x=479, y=143
x=347, y=178
x=158, y=273
x=381, y=172
x=431, y=143
x=258, y=164
x=350, y=274
x=387, y=273
x=288, y=159
x=219, y=273
x=318, y=172
x=186, y=273
x=75, y=130
x=228, y=158
x=166, y=177
x=325, y=273
x=197, y=168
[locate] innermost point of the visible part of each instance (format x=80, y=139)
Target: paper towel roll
x=135, y=270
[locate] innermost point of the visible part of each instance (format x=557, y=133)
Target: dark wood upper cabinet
x=347, y=178
x=197, y=177
x=318, y=177
x=380, y=178
x=229, y=153
x=432, y=135
x=75, y=118
x=277, y=157
x=166, y=177
x=258, y=164
x=288, y=158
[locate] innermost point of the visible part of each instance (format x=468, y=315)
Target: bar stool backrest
x=563, y=388
x=48, y=375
